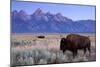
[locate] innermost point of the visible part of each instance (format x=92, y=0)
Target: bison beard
x=74, y=42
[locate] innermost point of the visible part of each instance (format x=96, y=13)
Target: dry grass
x=45, y=51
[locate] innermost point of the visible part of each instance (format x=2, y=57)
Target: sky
x=74, y=12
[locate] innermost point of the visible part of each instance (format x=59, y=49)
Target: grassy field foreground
x=30, y=50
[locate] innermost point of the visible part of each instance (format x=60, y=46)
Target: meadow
x=28, y=49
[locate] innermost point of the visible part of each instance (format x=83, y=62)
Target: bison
x=41, y=36
x=74, y=42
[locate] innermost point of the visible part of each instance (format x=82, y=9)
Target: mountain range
x=41, y=22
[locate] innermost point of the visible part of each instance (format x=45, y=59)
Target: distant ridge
x=40, y=22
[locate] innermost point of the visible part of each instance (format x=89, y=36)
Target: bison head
x=62, y=44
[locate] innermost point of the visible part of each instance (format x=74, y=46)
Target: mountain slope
x=40, y=22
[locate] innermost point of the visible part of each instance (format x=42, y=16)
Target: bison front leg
x=64, y=51
x=84, y=50
x=74, y=53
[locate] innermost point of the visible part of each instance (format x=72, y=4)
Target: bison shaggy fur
x=74, y=42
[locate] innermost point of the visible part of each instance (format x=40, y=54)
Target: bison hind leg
x=89, y=49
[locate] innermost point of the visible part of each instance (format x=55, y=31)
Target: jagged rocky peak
x=48, y=13
x=23, y=15
x=14, y=15
x=38, y=12
x=15, y=12
x=59, y=18
x=22, y=12
x=48, y=22
x=59, y=15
